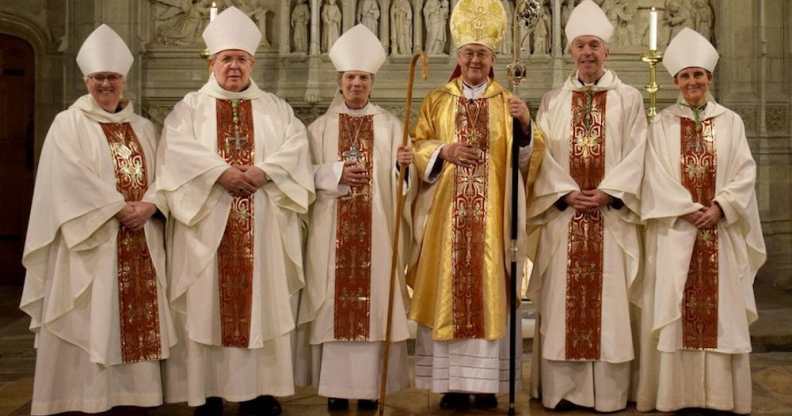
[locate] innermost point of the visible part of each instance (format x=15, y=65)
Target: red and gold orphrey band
x=137, y=278
x=586, y=229
x=470, y=221
x=235, y=253
x=700, y=299
x=353, y=234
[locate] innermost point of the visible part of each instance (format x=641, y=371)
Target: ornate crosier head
x=526, y=13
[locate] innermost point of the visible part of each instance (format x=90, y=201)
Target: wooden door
x=17, y=92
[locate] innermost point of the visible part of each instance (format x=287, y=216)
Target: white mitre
x=588, y=19
x=357, y=50
x=104, y=51
x=232, y=29
x=689, y=49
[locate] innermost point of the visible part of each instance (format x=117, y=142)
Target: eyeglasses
x=110, y=77
x=481, y=55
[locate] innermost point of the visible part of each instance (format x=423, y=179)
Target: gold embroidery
x=700, y=299
x=137, y=278
x=470, y=217
x=586, y=229
x=235, y=254
x=353, y=234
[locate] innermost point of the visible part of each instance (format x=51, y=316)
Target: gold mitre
x=478, y=21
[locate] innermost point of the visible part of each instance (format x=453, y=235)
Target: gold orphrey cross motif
x=478, y=21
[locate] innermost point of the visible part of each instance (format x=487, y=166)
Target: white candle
x=213, y=11
x=653, y=29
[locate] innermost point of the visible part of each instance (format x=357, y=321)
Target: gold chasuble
x=700, y=299
x=585, y=244
x=137, y=278
x=235, y=253
x=460, y=281
x=353, y=233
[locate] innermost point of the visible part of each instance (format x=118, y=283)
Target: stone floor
x=771, y=365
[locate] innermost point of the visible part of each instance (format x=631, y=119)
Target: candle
x=213, y=11
x=653, y=29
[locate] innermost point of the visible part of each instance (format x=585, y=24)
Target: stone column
x=384, y=26
x=348, y=9
x=284, y=31
x=316, y=32
x=418, y=25
x=557, y=28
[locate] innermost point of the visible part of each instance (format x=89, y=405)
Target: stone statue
x=676, y=17
x=621, y=13
x=182, y=21
x=541, y=35
x=369, y=14
x=401, y=27
x=703, y=17
x=258, y=12
x=508, y=36
x=436, y=18
x=566, y=10
x=300, y=18
x=331, y=24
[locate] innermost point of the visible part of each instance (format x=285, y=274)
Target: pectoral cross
x=238, y=140
x=353, y=154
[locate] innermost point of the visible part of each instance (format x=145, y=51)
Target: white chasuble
x=350, y=248
x=697, y=297
x=96, y=292
x=235, y=325
x=587, y=261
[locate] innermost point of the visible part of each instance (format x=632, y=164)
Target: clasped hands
x=587, y=200
x=467, y=155
x=353, y=174
x=242, y=181
x=135, y=214
x=705, y=217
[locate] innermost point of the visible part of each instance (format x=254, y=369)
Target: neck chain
x=238, y=140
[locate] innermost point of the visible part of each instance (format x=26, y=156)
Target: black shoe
x=260, y=406
x=485, y=401
x=458, y=401
x=368, y=404
x=334, y=403
x=565, y=406
x=212, y=407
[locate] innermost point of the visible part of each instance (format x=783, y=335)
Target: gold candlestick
x=652, y=57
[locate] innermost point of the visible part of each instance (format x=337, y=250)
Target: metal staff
x=399, y=210
x=526, y=13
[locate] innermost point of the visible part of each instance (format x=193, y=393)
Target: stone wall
x=754, y=38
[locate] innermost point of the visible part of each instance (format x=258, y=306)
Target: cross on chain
x=238, y=141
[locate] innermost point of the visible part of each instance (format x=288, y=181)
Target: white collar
x=474, y=92
x=95, y=112
x=213, y=89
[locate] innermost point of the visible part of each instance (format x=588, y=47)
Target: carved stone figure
x=369, y=14
x=566, y=10
x=541, y=35
x=436, y=18
x=401, y=27
x=622, y=13
x=300, y=18
x=182, y=21
x=676, y=17
x=703, y=17
x=331, y=24
x=508, y=36
x=257, y=11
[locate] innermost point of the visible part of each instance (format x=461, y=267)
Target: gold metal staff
x=399, y=210
x=526, y=14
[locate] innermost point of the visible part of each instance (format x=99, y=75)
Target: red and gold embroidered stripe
x=585, y=239
x=137, y=278
x=353, y=234
x=235, y=253
x=700, y=299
